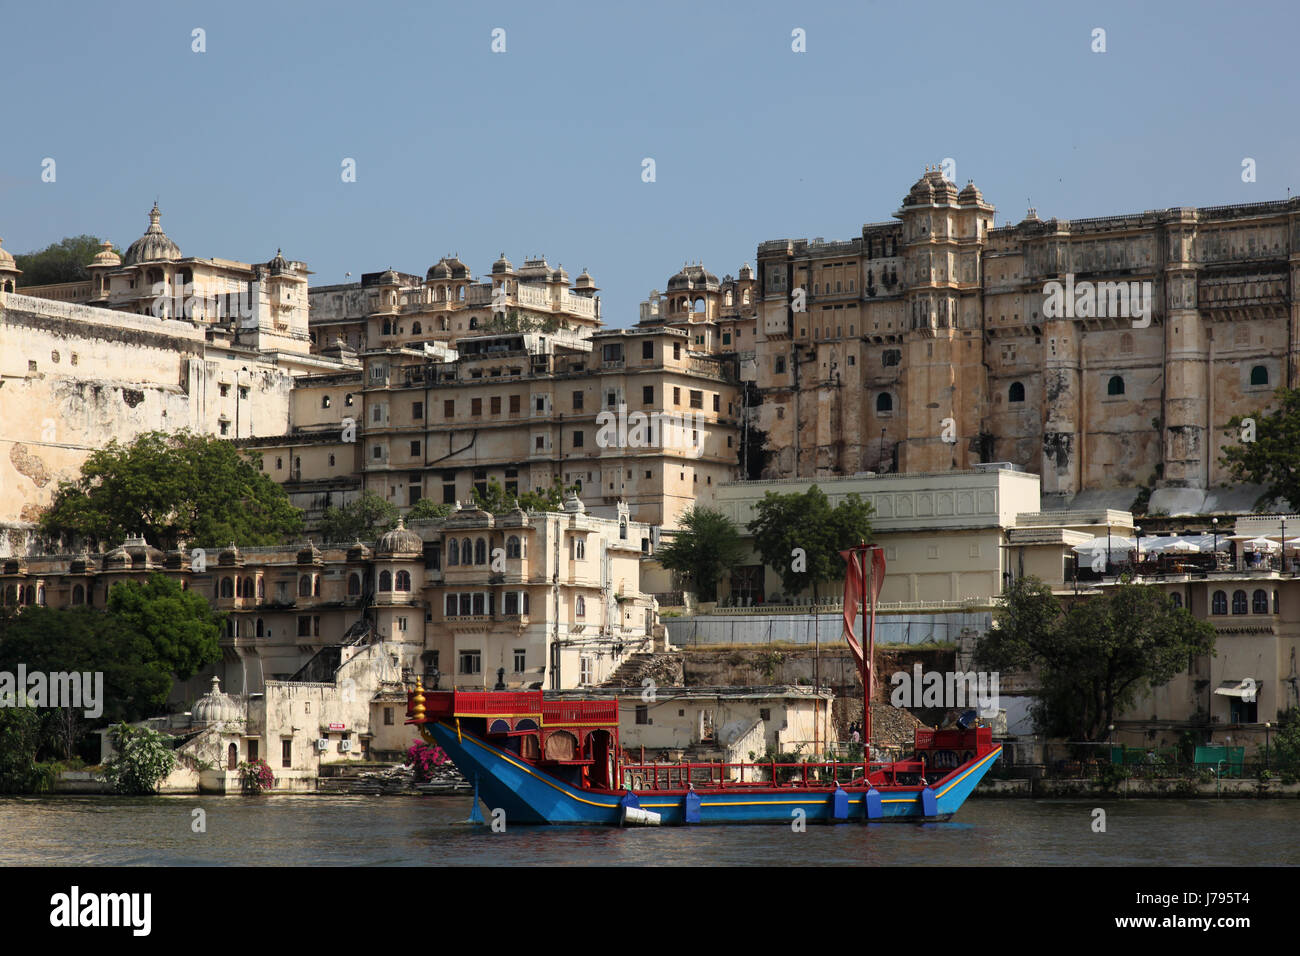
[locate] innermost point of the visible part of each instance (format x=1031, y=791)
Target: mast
x=869, y=630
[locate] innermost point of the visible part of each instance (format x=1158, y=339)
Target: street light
x=1137, y=557
x=1214, y=551
x=1267, y=725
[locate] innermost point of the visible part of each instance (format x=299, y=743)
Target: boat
x=540, y=761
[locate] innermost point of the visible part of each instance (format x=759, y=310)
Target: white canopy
x=1118, y=545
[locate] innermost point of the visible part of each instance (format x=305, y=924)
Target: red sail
x=852, y=601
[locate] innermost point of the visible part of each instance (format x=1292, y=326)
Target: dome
x=931, y=188
x=278, y=264
x=7, y=263
x=439, y=270
x=585, y=282
x=400, y=541
x=573, y=504
x=458, y=269
x=746, y=272
x=153, y=245
x=117, y=558
x=502, y=265
x=389, y=277
x=693, y=278
x=1031, y=216
x=106, y=257
x=214, y=707
x=559, y=275
x=970, y=193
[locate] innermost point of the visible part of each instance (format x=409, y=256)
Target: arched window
x=227, y=587
x=315, y=584
x=304, y=586
x=473, y=322
x=354, y=584
x=232, y=758
x=40, y=595
x=78, y=594
x=261, y=628
x=387, y=328
x=1115, y=386
x=581, y=609
x=279, y=463
x=1219, y=603
x=1277, y=607
x=1238, y=602
x=884, y=403
x=1259, y=375
x=480, y=551
x=1259, y=602
x=261, y=587
x=403, y=581
x=30, y=597
x=622, y=530
x=1016, y=393
x=512, y=546
x=466, y=551
x=385, y=580
x=415, y=328
x=453, y=552
x=1176, y=599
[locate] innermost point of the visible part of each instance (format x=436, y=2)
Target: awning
x=1247, y=687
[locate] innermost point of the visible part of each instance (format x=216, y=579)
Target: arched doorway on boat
x=600, y=748
x=561, y=745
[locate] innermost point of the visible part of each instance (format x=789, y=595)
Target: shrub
x=255, y=777
x=144, y=757
x=424, y=758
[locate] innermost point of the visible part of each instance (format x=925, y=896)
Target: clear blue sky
x=539, y=150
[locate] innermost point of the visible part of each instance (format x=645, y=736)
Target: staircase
x=665, y=669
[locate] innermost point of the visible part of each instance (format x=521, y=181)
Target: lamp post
x=1137, y=556
x=1214, y=551
x=1267, y=725
x=1108, y=548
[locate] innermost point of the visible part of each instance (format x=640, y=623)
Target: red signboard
x=338, y=726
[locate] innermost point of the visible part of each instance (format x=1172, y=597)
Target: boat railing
x=727, y=776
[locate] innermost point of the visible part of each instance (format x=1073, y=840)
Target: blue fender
x=929, y=803
x=692, y=807
x=874, y=809
x=839, y=804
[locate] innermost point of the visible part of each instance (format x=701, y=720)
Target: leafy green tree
x=1272, y=458
x=172, y=487
x=137, y=674
x=498, y=500
x=705, y=547
x=181, y=627
x=62, y=261
x=800, y=536
x=1283, y=751
x=427, y=508
x=142, y=760
x=1095, y=659
x=20, y=739
x=365, y=518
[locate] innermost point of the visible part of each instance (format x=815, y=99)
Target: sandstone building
x=926, y=344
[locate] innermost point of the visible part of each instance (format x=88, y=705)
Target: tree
x=800, y=536
x=62, y=261
x=1097, y=657
x=169, y=488
x=706, y=546
x=1268, y=449
x=426, y=508
x=143, y=759
x=20, y=738
x=497, y=500
x=135, y=680
x=367, y=518
x=181, y=627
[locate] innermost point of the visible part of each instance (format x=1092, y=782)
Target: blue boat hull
x=529, y=796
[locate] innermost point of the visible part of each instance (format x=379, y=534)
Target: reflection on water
x=328, y=831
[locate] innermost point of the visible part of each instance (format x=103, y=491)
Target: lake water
x=330, y=831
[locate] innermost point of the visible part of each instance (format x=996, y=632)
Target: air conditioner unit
x=345, y=745
x=323, y=744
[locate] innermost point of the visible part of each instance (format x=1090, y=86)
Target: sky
x=540, y=149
